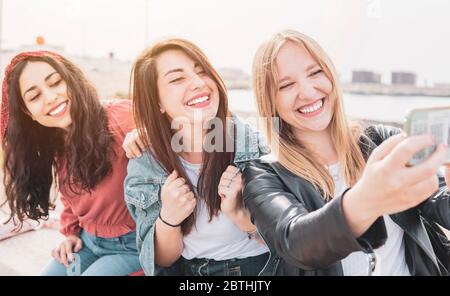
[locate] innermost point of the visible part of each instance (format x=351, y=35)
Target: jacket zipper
x=372, y=257
x=270, y=252
x=372, y=262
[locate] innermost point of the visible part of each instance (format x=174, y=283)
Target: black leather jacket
x=308, y=236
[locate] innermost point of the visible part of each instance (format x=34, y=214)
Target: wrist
x=167, y=222
x=358, y=211
x=364, y=202
x=251, y=234
x=241, y=218
x=72, y=236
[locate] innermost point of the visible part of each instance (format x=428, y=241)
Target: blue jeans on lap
x=250, y=266
x=100, y=256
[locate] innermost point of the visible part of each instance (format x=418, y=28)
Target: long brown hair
x=291, y=153
x=155, y=128
x=35, y=154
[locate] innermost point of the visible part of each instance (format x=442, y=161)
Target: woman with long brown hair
x=185, y=191
x=337, y=199
x=54, y=129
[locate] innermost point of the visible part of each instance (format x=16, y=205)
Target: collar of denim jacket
x=249, y=144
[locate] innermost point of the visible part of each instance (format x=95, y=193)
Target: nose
x=49, y=95
x=307, y=90
x=197, y=82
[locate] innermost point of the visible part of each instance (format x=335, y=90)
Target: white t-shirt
x=390, y=256
x=219, y=239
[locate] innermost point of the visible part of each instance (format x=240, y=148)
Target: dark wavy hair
x=35, y=154
x=155, y=127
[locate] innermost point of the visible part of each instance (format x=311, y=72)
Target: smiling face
x=185, y=89
x=303, y=98
x=44, y=93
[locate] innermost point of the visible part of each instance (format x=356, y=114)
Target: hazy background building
x=403, y=78
x=359, y=76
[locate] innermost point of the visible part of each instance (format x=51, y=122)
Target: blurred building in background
x=365, y=77
x=403, y=78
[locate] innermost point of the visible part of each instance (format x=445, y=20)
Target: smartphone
x=434, y=121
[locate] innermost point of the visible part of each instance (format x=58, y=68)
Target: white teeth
x=310, y=109
x=198, y=100
x=59, y=109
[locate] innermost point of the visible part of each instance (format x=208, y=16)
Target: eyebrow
x=173, y=71
x=309, y=68
x=179, y=69
x=34, y=87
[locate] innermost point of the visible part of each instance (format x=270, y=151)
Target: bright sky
x=380, y=35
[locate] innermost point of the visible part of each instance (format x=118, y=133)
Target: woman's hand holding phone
x=388, y=185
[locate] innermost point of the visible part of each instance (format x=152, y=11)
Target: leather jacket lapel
x=411, y=223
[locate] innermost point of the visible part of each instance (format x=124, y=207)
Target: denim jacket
x=146, y=177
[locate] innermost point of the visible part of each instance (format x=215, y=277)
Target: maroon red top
x=103, y=212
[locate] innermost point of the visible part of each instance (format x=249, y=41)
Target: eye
x=199, y=70
x=316, y=72
x=34, y=97
x=176, y=79
x=284, y=86
x=56, y=83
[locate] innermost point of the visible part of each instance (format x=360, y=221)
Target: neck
x=193, y=137
x=320, y=144
x=192, y=157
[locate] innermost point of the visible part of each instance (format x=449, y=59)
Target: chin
x=67, y=125
x=205, y=116
x=323, y=126
x=316, y=126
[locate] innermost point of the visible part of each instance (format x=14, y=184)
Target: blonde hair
x=292, y=154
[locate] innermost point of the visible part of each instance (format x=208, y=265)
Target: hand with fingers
x=64, y=252
x=230, y=189
x=133, y=144
x=389, y=185
x=178, y=201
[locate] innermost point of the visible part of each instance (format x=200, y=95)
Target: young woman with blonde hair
x=337, y=199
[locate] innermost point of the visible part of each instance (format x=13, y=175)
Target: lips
x=199, y=100
x=312, y=109
x=59, y=109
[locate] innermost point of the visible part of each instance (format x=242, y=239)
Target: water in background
x=369, y=107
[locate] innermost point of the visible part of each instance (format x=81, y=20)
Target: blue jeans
x=250, y=266
x=100, y=256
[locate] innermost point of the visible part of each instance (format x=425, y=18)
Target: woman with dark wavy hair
x=55, y=128
x=185, y=197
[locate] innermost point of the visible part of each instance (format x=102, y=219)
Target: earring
x=162, y=111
